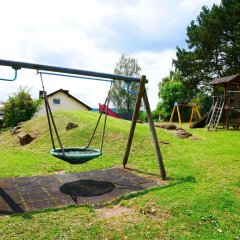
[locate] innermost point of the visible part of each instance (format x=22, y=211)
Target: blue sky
x=92, y=35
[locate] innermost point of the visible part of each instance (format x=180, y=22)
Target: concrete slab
x=23, y=194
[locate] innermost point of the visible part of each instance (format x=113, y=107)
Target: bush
x=20, y=107
x=142, y=116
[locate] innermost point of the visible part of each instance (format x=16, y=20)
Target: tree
x=171, y=92
x=19, y=107
x=213, y=46
x=172, y=89
x=121, y=99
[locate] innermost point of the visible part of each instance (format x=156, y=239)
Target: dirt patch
x=116, y=211
x=195, y=138
x=181, y=133
x=163, y=142
x=168, y=126
x=60, y=172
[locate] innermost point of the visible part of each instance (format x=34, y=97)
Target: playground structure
x=76, y=73
x=227, y=105
x=176, y=109
x=107, y=110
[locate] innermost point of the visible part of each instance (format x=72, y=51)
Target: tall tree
x=213, y=46
x=19, y=107
x=123, y=101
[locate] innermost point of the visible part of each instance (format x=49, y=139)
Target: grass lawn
x=201, y=200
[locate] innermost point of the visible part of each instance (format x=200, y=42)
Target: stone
x=178, y=129
x=15, y=130
x=182, y=134
x=169, y=126
x=71, y=126
x=25, y=139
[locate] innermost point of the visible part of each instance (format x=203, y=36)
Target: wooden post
x=173, y=111
x=154, y=135
x=179, y=116
x=192, y=114
x=134, y=119
x=142, y=94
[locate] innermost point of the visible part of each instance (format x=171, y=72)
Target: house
x=62, y=100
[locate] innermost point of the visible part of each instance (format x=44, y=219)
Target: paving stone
x=52, y=186
x=67, y=178
x=39, y=205
x=27, y=184
x=35, y=196
x=6, y=210
x=56, y=194
x=24, y=179
x=7, y=183
x=40, y=192
x=97, y=199
x=47, y=179
x=66, y=201
x=30, y=189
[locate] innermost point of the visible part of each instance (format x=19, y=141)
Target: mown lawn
x=201, y=200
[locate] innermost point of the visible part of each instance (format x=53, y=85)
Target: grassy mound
x=34, y=158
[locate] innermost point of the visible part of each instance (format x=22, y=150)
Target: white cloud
x=189, y=5
x=92, y=35
x=155, y=66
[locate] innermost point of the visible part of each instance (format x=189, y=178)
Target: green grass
x=201, y=200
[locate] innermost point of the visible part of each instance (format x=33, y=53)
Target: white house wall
x=66, y=103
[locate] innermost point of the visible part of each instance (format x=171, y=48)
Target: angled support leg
x=142, y=94
x=134, y=119
x=154, y=135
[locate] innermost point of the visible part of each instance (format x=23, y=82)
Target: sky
x=92, y=35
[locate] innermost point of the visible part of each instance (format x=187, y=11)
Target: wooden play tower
x=227, y=105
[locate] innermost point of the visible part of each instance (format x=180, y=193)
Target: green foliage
x=19, y=107
x=203, y=102
x=142, y=116
x=213, y=46
x=155, y=114
x=121, y=99
x=171, y=92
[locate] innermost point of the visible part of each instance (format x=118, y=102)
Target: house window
x=56, y=101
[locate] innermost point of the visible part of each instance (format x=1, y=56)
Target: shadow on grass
x=142, y=172
x=173, y=182
x=181, y=179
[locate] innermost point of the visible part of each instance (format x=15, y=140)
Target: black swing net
x=75, y=155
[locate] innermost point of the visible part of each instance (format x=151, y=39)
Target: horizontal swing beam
x=40, y=67
x=74, y=76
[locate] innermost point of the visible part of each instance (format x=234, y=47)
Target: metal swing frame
x=142, y=94
x=74, y=155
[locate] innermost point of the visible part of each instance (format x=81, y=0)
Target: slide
x=200, y=123
x=109, y=112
